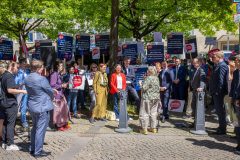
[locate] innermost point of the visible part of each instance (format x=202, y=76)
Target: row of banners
x=99, y=44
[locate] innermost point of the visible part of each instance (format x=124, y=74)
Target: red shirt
x=113, y=83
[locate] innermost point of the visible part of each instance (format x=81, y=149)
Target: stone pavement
x=100, y=142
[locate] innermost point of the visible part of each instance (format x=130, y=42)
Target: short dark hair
x=126, y=58
x=22, y=60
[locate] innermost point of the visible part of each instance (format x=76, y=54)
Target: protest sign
x=96, y=53
x=6, y=49
x=130, y=50
x=175, y=43
x=155, y=52
x=65, y=46
x=82, y=44
x=140, y=72
x=103, y=42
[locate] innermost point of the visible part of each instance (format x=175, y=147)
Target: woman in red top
x=117, y=83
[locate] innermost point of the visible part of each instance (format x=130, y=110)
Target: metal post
x=199, y=126
x=123, y=117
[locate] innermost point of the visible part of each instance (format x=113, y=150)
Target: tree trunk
x=114, y=33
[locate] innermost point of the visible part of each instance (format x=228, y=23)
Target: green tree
x=139, y=18
x=19, y=17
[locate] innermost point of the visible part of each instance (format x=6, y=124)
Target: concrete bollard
x=123, y=116
x=199, y=124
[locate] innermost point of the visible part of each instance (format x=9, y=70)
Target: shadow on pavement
x=211, y=144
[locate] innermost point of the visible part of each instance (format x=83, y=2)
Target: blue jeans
x=23, y=109
x=132, y=91
x=93, y=99
x=115, y=105
x=72, y=100
x=165, y=96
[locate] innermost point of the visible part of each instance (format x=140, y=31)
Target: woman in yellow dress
x=100, y=87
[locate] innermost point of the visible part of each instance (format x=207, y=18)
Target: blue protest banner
x=64, y=46
x=82, y=44
x=103, y=42
x=155, y=53
x=6, y=49
x=130, y=50
x=140, y=72
x=175, y=43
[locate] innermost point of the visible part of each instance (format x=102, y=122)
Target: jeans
x=132, y=91
x=9, y=124
x=23, y=110
x=165, y=96
x=81, y=98
x=115, y=105
x=72, y=100
x=93, y=99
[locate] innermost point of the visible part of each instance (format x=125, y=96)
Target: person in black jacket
x=165, y=79
x=219, y=89
x=235, y=95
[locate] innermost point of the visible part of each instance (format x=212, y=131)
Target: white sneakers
x=12, y=147
x=4, y=146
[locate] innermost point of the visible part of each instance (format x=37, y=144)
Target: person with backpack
x=9, y=105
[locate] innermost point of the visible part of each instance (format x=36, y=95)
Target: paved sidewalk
x=99, y=142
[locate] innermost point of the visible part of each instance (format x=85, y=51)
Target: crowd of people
x=54, y=95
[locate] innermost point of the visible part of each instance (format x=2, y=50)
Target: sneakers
x=4, y=145
x=12, y=147
x=76, y=116
x=153, y=130
x=144, y=131
x=130, y=119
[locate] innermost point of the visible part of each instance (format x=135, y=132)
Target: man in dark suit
x=219, y=88
x=197, y=83
x=130, y=77
x=235, y=95
x=179, y=81
x=165, y=79
x=40, y=96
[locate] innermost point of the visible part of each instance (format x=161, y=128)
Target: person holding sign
x=150, y=101
x=100, y=86
x=72, y=92
x=117, y=84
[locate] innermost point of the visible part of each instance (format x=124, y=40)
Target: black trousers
x=9, y=124
x=221, y=111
